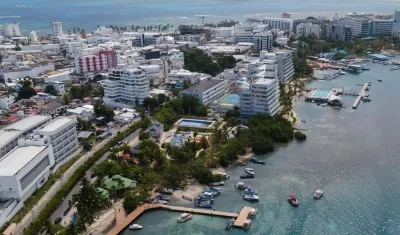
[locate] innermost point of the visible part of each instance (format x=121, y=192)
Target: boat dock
x=360, y=96
x=123, y=221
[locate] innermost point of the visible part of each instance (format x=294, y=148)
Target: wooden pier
x=360, y=96
x=122, y=222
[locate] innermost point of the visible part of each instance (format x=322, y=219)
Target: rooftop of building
x=205, y=85
x=264, y=81
x=18, y=159
x=56, y=124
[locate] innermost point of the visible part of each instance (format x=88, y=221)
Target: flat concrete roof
x=55, y=124
x=263, y=81
x=18, y=128
x=18, y=159
x=205, y=85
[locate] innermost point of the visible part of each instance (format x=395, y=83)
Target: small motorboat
x=162, y=197
x=250, y=190
x=318, y=194
x=247, y=224
x=249, y=171
x=229, y=224
x=219, y=183
x=184, y=217
x=240, y=186
x=304, y=121
x=247, y=176
x=167, y=191
x=252, y=213
x=341, y=72
x=135, y=227
x=161, y=201
x=251, y=197
x=293, y=200
x=379, y=80
x=240, y=163
x=324, y=104
x=256, y=160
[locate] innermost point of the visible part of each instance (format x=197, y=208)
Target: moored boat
x=251, y=197
x=219, y=183
x=293, y=200
x=256, y=160
x=135, y=227
x=229, y=224
x=247, y=176
x=379, y=80
x=167, y=191
x=240, y=186
x=249, y=171
x=184, y=217
x=247, y=224
x=318, y=194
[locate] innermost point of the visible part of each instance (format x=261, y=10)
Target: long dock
x=123, y=222
x=360, y=96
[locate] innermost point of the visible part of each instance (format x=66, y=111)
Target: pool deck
x=195, y=120
x=122, y=222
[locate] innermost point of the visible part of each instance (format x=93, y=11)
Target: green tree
x=150, y=151
x=108, y=168
x=144, y=135
x=197, y=61
x=150, y=103
x=66, y=99
x=88, y=201
x=71, y=230
x=133, y=198
x=50, y=90
x=103, y=111
x=84, y=125
x=26, y=91
x=233, y=121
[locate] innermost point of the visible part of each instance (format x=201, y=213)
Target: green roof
x=109, y=183
x=104, y=193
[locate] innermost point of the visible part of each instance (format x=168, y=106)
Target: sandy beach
x=191, y=191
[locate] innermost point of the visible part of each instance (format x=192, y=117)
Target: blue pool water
x=194, y=123
x=321, y=93
x=231, y=99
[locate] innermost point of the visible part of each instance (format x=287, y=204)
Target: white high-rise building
x=259, y=96
x=57, y=28
x=12, y=30
x=125, y=87
x=306, y=29
x=285, y=24
x=285, y=65
x=62, y=135
x=254, y=33
x=34, y=37
x=396, y=18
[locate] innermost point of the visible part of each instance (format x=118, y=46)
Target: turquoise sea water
x=38, y=14
x=352, y=155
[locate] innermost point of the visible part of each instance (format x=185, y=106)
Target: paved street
x=30, y=216
x=59, y=212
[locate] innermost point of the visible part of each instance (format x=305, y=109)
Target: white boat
x=240, y=186
x=318, y=194
x=184, y=217
x=341, y=72
x=379, y=80
x=324, y=104
x=135, y=227
x=249, y=171
x=251, y=197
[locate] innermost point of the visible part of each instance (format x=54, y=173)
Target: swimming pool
x=195, y=123
x=230, y=99
x=321, y=94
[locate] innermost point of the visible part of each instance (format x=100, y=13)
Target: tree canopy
x=104, y=111
x=26, y=91
x=197, y=61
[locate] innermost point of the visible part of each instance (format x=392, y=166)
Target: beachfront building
x=285, y=65
x=61, y=132
x=307, y=29
x=125, y=87
x=381, y=27
x=339, y=32
x=259, y=96
x=365, y=25
x=258, y=34
x=396, y=18
x=207, y=90
x=33, y=36
x=285, y=24
x=57, y=29
x=9, y=135
x=11, y=30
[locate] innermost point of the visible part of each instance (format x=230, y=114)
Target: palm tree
x=71, y=230
x=50, y=228
x=88, y=202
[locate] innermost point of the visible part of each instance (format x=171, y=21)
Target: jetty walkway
x=360, y=96
x=122, y=222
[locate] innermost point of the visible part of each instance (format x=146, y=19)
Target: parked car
x=57, y=220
